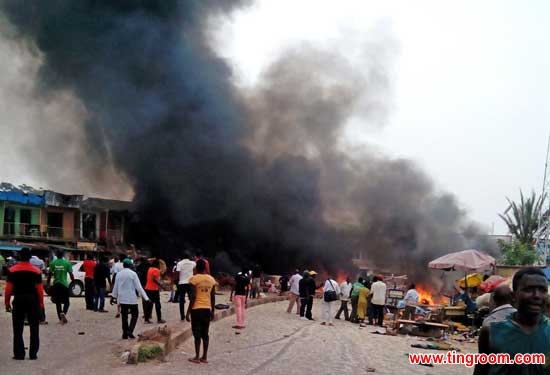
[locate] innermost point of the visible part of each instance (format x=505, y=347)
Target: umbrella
x=473, y=279
x=465, y=260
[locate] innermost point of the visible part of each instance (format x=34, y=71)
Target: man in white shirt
x=378, y=301
x=294, y=295
x=345, y=290
x=411, y=300
x=124, y=291
x=184, y=271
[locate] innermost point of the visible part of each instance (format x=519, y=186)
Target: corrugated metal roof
x=62, y=200
x=27, y=199
x=106, y=204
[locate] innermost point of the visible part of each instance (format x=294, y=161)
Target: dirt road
x=274, y=342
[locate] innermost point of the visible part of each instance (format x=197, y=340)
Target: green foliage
x=149, y=351
x=524, y=219
x=518, y=253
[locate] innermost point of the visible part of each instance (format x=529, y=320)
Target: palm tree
x=524, y=221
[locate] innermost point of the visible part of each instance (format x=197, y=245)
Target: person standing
x=102, y=275
x=89, y=287
x=184, y=270
x=378, y=301
x=124, y=291
x=39, y=263
x=201, y=310
x=152, y=288
x=256, y=281
x=362, y=301
x=345, y=291
x=283, y=282
x=502, y=297
x=411, y=300
x=524, y=332
x=59, y=268
x=328, y=306
x=304, y=293
x=242, y=284
x=294, y=295
x=354, y=296
x=25, y=284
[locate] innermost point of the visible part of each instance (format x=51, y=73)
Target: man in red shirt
x=25, y=284
x=89, y=285
x=152, y=288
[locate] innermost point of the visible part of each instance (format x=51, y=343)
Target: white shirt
x=117, y=267
x=331, y=285
x=345, y=289
x=126, y=284
x=378, y=290
x=185, y=268
x=294, y=281
x=411, y=298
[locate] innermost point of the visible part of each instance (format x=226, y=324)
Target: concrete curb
x=173, y=334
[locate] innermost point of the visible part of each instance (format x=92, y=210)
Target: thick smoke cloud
x=262, y=176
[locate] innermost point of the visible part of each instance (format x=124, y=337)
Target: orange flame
x=429, y=297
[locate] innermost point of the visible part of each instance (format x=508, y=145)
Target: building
x=53, y=220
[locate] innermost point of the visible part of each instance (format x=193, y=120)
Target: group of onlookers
x=366, y=299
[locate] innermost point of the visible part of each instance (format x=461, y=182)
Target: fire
x=428, y=297
x=341, y=277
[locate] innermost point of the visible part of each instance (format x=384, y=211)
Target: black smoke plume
x=261, y=175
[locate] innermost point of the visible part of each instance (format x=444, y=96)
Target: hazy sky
x=470, y=82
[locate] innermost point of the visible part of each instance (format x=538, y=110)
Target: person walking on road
x=328, y=306
x=25, y=284
x=152, y=288
x=294, y=295
x=89, y=287
x=124, y=291
x=59, y=268
x=345, y=291
x=201, y=310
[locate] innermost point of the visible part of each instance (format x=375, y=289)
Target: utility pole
x=543, y=232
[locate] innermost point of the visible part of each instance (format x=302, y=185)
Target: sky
x=470, y=82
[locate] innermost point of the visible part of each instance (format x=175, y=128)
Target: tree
x=517, y=253
x=524, y=221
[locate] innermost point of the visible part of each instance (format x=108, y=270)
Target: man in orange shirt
x=201, y=309
x=152, y=288
x=89, y=286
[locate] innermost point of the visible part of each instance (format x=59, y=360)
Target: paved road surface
x=274, y=342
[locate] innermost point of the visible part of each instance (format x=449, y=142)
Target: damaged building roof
x=106, y=204
x=27, y=195
x=23, y=194
x=62, y=200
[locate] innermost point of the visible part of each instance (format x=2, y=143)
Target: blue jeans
x=101, y=298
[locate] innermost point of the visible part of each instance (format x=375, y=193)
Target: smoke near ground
x=261, y=175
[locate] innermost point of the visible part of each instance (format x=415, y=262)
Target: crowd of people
x=126, y=279
x=516, y=324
